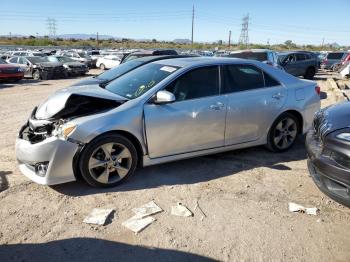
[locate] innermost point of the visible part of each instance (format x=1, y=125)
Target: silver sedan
x=163, y=111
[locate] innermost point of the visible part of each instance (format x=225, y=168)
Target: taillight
x=318, y=90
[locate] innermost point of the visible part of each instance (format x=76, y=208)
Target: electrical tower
x=51, y=26
x=244, y=38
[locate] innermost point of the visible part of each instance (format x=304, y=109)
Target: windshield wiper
x=103, y=85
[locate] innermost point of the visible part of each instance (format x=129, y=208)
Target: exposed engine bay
x=36, y=130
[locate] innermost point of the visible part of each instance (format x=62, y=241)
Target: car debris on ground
x=137, y=224
x=181, y=211
x=142, y=217
x=200, y=209
x=293, y=207
x=98, y=216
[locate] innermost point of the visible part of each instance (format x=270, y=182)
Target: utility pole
x=192, y=24
x=97, y=39
x=244, y=38
x=322, y=42
x=229, y=39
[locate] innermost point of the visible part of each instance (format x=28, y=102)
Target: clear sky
x=302, y=21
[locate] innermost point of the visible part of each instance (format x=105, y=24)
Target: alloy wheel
x=110, y=163
x=285, y=133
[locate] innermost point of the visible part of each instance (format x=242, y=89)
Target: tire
x=36, y=75
x=102, y=67
x=283, y=133
x=108, y=160
x=310, y=73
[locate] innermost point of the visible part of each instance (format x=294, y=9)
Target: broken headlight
x=64, y=130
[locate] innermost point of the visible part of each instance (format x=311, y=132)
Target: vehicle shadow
x=91, y=249
x=3, y=180
x=195, y=170
x=18, y=83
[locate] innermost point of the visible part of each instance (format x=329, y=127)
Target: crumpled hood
x=58, y=101
x=337, y=116
x=49, y=64
x=75, y=64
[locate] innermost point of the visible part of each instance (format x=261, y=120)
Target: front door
x=195, y=121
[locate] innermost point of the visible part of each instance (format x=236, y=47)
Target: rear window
x=335, y=55
x=262, y=56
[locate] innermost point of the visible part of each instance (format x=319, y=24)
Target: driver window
x=22, y=61
x=197, y=83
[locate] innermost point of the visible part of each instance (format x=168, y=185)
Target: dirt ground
x=243, y=193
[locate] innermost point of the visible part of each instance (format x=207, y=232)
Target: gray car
x=163, y=111
x=299, y=63
x=71, y=66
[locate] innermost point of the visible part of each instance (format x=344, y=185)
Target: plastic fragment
x=98, y=216
x=181, y=210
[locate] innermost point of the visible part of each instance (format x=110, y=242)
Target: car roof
x=251, y=51
x=160, y=57
x=198, y=61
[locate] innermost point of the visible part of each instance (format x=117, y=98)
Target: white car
x=107, y=62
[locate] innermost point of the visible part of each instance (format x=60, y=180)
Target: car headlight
x=344, y=136
x=63, y=131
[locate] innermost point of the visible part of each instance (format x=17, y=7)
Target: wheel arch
x=133, y=139
x=299, y=117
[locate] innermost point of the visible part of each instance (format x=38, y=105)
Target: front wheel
x=36, y=75
x=283, y=133
x=102, y=67
x=108, y=160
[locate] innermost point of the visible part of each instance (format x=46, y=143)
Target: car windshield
x=139, y=81
x=2, y=61
x=119, y=70
x=64, y=59
x=37, y=59
x=259, y=56
x=281, y=57
x=81, y=54
x=52, y=59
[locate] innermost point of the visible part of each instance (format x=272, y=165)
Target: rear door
x=253, y=99
x=195, y=121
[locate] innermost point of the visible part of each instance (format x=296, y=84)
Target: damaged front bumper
x=48, y=161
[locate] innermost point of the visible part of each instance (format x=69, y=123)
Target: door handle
x=217, y=106
x=277, y=96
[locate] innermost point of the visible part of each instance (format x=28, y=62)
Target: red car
x=10, y=72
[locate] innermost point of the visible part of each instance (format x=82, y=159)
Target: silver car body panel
x=58, y=153
x=195, y=127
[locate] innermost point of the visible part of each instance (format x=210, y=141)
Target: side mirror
x=28, y=64
x=163, y=97
x=268, y=62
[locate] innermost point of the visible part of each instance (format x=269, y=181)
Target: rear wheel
x=102, y=67
x=283, y=133
x=108, y=160
x=310, y=73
